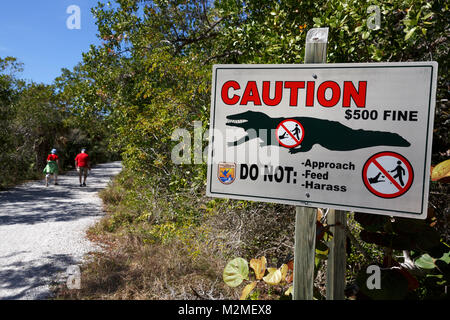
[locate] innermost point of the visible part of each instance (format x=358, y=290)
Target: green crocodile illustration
x=332, y=135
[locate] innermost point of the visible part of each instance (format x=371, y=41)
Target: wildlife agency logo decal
x=290, y=133
x=387, y=175
x=226, y=172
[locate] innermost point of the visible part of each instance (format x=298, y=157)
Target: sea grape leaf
x=425, y=261
x=445, y=257
x=441, y=171
x=289, y=291
x=322, y=250
x=283, y=270
x=410, y=33
x=259, y=266
x=274, y=276
x=290, y=265
x=247, y=290
x=235, y=272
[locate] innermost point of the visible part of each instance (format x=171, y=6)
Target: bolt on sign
x=345, y=136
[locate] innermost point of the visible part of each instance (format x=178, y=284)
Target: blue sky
x=35, y=32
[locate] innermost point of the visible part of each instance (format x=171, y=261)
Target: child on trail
x=83, y=164
x=52, y=167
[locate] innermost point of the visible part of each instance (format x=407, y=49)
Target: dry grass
x=129, y=269
x=256, y=229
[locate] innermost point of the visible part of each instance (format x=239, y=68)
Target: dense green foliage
x=8, y=96
x=36, y=118
x=30, y=124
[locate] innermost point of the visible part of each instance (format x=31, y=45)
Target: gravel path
x=42, y=230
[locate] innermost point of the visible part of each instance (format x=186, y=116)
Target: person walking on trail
x=83, y=164
x=52, y=167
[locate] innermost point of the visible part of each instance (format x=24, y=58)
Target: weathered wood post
x=337, y=257
x=305, y=217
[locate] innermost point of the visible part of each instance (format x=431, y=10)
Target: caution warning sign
x=353, y=137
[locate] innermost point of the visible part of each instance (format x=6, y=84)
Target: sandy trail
x=43, y=230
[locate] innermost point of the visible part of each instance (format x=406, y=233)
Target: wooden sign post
x=337, y=257
x=305, y=217
x=304, y=252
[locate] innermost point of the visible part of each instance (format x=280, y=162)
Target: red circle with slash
x=290, y=133
x=387, y=174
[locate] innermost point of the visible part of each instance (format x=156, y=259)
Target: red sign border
x=400, y=192
x=295, y=145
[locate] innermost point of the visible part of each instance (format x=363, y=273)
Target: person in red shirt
x=83, y=164
x=52, y=167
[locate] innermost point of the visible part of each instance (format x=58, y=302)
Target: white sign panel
x=346, y=136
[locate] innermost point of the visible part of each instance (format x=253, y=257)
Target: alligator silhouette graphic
x=332, y=135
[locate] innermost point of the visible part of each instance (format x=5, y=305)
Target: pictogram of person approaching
x=297, y=131
x=399, y=172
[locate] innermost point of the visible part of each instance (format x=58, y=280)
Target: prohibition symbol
x=290, y=133
x=387, y=174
